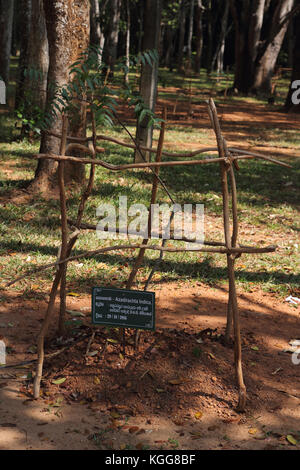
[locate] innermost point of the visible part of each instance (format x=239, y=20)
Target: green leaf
x=59, y=381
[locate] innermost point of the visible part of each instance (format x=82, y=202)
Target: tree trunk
x=38, y=57
x=170, y=47
x=266, y=64
x=199, y=35
x=190, y=34
x=248, y=24
x=182, y=18
x=219, y=54
x=97, y=36
x=293, y=98
x=255, y=57
x=209, y=54
x=127, y=50
x=113, y=34
x=24, y=31
x=68, y=35
x=149, y=74
x=6, y=25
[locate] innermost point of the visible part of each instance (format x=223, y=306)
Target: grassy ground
x=268, y=205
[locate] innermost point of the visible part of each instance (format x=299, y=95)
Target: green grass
x=268, y=208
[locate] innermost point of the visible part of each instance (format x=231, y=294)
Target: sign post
x=123, y=308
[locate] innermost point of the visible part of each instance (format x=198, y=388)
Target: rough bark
x=149, y=74
x=6, y=26
x=68, y=29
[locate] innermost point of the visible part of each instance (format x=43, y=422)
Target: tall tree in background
x=113, y=34
x=127, y=47
x=218, y=58
x=149, y=73
x=190, y=34
x=289, y=105
x=182, y=21
x=268, y=54
x=97, y=34
x=258, y=42
x=37, y=56
x=23, y=26
x=248, y=18
x=199, y=34
x=6, y=28
x=68, y=29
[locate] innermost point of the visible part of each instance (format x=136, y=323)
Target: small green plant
x=91, y=83
x=29, y=111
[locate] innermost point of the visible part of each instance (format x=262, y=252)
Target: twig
x=89, y=343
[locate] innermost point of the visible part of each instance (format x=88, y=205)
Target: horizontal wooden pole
x=246, y=153
x=203, y=249
x=127, y=166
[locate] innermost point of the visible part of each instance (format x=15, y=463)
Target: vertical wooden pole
x=58, y=275
x=64, y=227
x=232, y=304
x=141, y=254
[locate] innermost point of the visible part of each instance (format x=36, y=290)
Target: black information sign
x=122, y=307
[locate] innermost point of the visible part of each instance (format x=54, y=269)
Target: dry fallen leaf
x=176, y=381
x=291, y=440
x=253, y=431
x=133, y=429
x=96, y=380
x=198, y=415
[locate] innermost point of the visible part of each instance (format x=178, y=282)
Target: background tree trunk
x=210, y=28
x=190, y=34
x=38, y=57
x=68, y=28
x=113, y=34
x=218, y=59
x=199, y=35
x=289, y=105
x=24, y=31
x=266, y=63
x=182, y=19
x=97, y=36
x=127, y=48
x=149, y=74
x=6, y=26
x=248, y=24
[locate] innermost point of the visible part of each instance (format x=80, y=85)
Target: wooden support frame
x=228, y=162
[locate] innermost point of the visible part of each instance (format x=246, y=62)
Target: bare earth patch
x=176, y=391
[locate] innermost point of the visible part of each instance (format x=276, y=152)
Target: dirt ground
x=177, y=391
